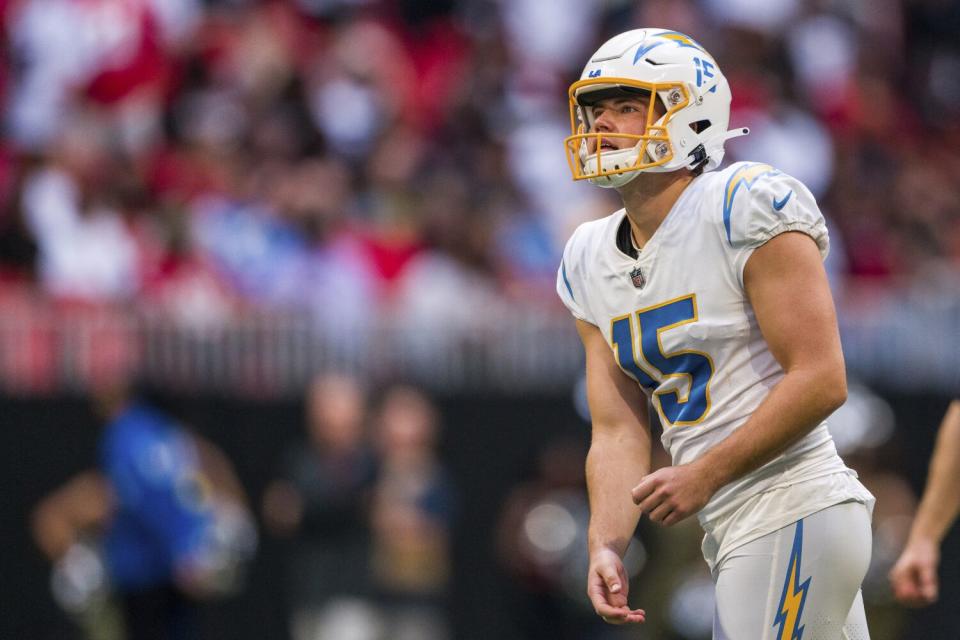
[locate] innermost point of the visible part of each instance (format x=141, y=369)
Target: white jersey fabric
x=678, y=321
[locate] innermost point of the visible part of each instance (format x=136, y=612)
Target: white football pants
x=799, y=581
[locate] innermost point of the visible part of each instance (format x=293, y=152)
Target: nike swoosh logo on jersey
x=780, y=204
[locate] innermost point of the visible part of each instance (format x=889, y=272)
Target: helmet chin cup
x=612, y=172
x=614, y=180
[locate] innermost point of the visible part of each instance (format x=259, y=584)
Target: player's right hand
x=914, y=576
x=607, y=588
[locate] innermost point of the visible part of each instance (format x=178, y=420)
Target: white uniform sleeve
x=570, y=279
x=760, y=203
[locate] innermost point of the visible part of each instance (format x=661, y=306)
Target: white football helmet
x=692, y=100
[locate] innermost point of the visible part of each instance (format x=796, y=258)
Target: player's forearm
x=82, y=503
x=797, y=404
x=52, y=532
x=941, y=498
x=614, y=466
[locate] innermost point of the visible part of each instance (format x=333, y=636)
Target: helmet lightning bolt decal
x=681, y=39
x=745, y=176
x=794, y=593
x=642, y=51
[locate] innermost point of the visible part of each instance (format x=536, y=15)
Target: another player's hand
x=671, y=494
x=607, y=588
x=914, y=576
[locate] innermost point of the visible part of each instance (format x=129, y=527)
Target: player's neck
x=648, y=199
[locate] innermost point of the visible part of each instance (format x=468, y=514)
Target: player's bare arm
x=619, y=456
x=914, y=576
x=84, y=502
x=787, y=287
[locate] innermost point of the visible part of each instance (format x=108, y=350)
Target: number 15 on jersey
x=685, y=402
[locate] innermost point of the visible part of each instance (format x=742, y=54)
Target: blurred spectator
x=322, y=504
x=74, y=211
x=18, y=251
x=161, y=527
x=411, y=517
x=541, y=542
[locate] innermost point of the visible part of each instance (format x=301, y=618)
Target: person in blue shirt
x=169, y=517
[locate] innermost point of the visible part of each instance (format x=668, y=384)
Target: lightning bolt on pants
x=801, y=582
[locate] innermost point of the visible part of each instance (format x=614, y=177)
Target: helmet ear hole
x=700, y=125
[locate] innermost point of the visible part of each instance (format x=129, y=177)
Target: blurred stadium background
x=221, y=199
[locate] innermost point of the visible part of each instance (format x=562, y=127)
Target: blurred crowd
x=349, y=157
x=360, y=511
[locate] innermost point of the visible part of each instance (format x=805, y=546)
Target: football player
x=705, y=298
x=163, y=524
x=914, y=576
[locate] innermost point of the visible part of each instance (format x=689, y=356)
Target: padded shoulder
x=760, y=202
x=752, y=202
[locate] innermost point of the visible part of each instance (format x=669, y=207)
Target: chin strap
x=697, y=157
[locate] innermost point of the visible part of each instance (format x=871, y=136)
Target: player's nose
x=603, y=123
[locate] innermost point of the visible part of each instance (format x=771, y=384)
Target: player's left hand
x=672, y=494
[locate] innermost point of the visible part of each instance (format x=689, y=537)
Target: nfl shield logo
x=636, y=276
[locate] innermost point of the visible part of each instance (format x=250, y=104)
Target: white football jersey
x=678, y=320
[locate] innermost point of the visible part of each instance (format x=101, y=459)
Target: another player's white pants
x=805, y=576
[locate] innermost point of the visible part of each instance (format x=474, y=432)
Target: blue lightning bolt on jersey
x=162, y=512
